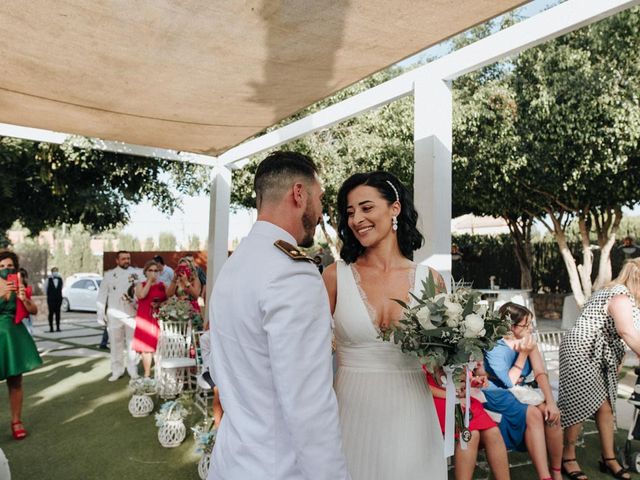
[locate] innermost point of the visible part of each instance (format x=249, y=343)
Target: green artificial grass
x=80, y=428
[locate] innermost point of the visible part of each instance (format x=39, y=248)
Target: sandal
x=18, y=433
x=575, y=474
x=605, y=468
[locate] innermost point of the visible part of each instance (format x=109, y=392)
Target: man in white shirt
x=166, y=272
x=271, y=340
x=116, y=308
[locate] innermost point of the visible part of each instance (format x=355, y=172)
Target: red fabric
x=480, y=419
x=145, y=336
x=21, y=310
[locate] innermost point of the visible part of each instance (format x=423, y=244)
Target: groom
x=271, y=340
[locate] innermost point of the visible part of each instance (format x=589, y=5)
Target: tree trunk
x=569, y=261
x=585, y=269
x=606, y=240
x=521, y=235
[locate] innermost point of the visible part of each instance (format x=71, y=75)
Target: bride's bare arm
x=330, y=279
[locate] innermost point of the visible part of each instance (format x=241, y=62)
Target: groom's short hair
x=278, y=172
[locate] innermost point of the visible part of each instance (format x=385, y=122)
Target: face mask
x=55, y=275
x=5, y=272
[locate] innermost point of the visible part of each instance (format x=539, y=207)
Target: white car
x=80, y=292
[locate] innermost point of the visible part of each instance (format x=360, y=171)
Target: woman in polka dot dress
x=590, y=356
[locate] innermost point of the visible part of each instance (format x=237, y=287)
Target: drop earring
x=394, y=223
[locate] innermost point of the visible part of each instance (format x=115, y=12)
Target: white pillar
x=219, y=210
x=432, y=176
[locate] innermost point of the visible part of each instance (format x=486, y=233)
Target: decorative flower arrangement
x=448, y=332
x=142, y=386
x=173, y=410
x=130, y=295
x=204, y=435
x=176, y=310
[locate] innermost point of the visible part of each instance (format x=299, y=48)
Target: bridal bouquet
x=447, y=332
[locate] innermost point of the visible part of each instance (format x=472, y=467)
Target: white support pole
x=47, y=136
x=220, y=202
x=433, y=109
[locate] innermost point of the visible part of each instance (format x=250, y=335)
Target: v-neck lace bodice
x=365, y=299
x=357, y=335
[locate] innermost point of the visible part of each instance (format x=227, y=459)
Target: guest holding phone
x=185, y=284
x=18, y=352
x=150, y=293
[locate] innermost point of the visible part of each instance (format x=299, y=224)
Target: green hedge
x=483, y=256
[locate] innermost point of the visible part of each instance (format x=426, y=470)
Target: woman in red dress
x=151, y=294
x=484, y=433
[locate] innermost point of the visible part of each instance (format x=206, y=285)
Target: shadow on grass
x=80, y=428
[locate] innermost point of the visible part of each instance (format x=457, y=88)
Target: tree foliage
x=554, y=136
x=45, y=185
x=167, y=242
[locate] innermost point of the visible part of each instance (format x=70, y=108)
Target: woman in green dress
x=18, y=352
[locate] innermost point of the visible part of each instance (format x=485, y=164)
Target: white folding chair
x=204, y=394
x=173, y=360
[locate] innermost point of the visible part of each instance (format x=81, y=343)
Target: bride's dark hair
x=409, y=238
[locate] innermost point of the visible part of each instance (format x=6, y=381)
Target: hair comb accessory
x=395, y=190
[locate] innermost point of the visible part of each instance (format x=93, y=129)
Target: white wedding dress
x=390, y=428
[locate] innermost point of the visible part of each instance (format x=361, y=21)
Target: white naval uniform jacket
x=271, y=360
x=114, y=285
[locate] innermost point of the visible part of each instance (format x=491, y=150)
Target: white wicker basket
x=172, y=433
x=140, y=405
x=203, y=465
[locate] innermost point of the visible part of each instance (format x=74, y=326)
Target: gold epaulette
x=292, y=252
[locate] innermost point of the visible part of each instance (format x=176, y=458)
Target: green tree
x=149, y=245
x=167, y=242
x=579, y=125
x=194, y=242
x=554, y=136
x=128, y=242
x=108, y=245
x=45, y=185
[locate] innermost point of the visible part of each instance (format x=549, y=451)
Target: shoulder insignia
x=292, y=251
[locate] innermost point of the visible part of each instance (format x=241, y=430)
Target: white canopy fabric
x=199, y=75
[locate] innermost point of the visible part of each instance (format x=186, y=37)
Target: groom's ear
x=299, y=194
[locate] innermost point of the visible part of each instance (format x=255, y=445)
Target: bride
x=389, y=424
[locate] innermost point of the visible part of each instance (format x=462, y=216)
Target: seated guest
x=150, y=294
x=591, y=354
x=524, y=427
x=484, y=432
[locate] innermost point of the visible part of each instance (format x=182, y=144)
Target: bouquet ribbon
x=450, y=409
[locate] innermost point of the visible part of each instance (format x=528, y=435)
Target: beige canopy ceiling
x=202, y=75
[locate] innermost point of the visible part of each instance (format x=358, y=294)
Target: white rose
x=474, y=325
x=452, y=322
x=481, y=310
x=424, y=318
x=454, y=310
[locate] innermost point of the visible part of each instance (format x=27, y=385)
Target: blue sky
x=148, y=221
